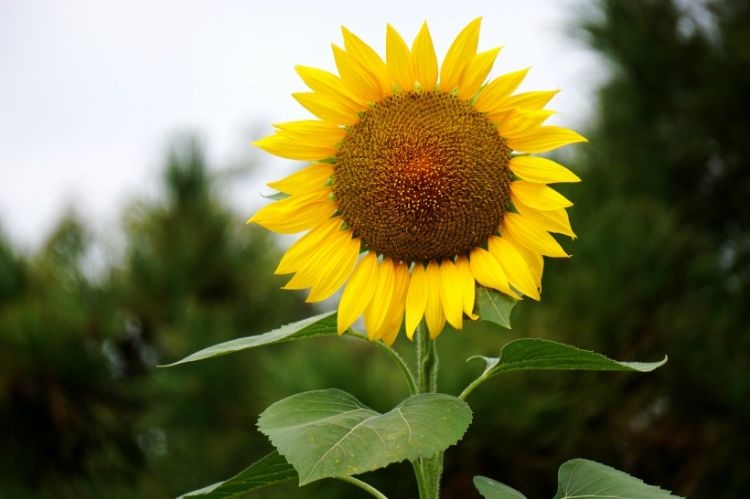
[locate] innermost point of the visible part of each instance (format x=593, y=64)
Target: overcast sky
x=92, y=90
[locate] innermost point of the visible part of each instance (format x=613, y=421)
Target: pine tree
x=65, y=417
x=661, y=266
x=196, y=275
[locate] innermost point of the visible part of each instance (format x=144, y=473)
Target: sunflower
x=419, y=185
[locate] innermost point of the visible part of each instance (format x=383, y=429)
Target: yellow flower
x=420, y=184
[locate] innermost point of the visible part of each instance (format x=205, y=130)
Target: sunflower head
x=421, y=184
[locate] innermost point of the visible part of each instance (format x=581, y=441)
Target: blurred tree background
x=661, y=267
x=84, y=411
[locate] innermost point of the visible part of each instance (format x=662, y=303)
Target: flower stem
x=408, y=375
x=394, y=355
x=364, y=486
x=427, y=361
x=427, y=470
x=471, y=386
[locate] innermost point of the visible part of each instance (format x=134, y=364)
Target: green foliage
x=490, y=489
x=84, y=412
x=195, y=275
x=329, y=433
x=63, y=414
x=318, y=325
x=584, y=479
x=534, y=353
x=269, y=470
x=672, y=160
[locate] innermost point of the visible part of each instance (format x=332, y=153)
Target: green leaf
x=583, y=479
x=319, y=325
x=534, y=353
x=329, y=433
x=269, y=470
x=494, y=306
x=490, y=489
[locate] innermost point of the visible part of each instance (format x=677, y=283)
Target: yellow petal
x=313, y=273
x=425, y=64
x=331, y=86
x=551, y=220
x=377, y=311
x=528, y=234
x=488, y=272
x=528, y=101
x=309, y=178
x=536, y=99
x=326, y=108
x=335, y=270
x=533, y=260
x=451, y=294
x=538, y=196
x=518, y=120
x=542, y=170
x=493, y=95
x=544, y=138
x=514, y=265
x=395, y=316
x=287, y=147
x=467, y=286
x=357, y=78
x=367, y=59
x=357, y=293
x=398, y=59
x=460, y=53
x=416, y=299
x=434, y=316
x=302, y=250
x=312, y=131
x=476, y=73
x=296, y=213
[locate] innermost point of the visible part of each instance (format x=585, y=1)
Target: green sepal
x=494, y=306
x=276, y=196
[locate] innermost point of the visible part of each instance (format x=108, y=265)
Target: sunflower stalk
x=395, y=357
x=427, y=361
x=428, y=471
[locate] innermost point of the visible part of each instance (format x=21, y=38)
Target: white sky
x=91, y=90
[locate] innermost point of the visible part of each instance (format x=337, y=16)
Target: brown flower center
x=422, y=176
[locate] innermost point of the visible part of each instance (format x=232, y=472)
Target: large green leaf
x=490, y=489
x=534, y=353
x=583, y=479
x=269, y=470
x=329, y=433
x=318, y=325
x=494, y=306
